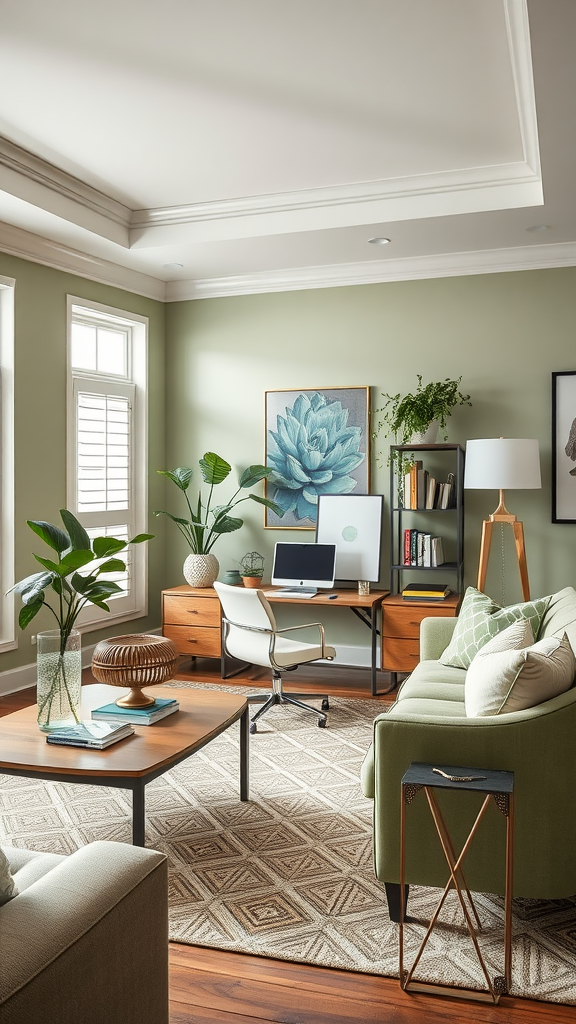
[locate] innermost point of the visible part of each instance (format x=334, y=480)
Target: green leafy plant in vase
x=71, y=579
x=252, y=569
x=207, y=522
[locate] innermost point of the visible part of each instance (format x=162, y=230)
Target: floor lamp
x=502, y=463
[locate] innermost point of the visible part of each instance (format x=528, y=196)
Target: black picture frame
x=564, y=446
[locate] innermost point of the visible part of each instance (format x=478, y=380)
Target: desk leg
x=245, y=754
x=374, y=625
x=138, y=812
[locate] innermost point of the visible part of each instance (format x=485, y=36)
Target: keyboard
x=294, y=592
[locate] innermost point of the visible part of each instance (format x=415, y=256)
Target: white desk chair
x=250, y=634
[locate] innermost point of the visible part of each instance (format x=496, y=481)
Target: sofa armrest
x=89, y=940
x=545, y=833
x=435, y=635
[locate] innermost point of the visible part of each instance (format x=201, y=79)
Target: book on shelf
x=406, y=553
x=406, y=497
x=431, y=491
x=414, y=483
x=447, y=498
x=421, y=487
x=428, y=591
x=436, y=552
x=136, y=716
x=96, y=735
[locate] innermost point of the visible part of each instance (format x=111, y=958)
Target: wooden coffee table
x=131, y=763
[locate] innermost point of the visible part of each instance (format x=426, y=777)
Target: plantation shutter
x=103, y=447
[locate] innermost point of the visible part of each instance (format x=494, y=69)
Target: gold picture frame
x=316, y=441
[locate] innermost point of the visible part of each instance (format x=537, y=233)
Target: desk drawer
x=404, y=621
x=202, y=641
x=400, y=655
x=195, y=611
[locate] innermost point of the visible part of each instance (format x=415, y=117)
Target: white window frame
x=8, y=640
x=136, y=603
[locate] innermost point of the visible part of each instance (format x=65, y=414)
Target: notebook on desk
x=302, y=569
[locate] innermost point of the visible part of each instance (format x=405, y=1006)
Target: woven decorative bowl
x=135, y=661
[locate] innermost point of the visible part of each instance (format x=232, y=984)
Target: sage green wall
x=40, y=421
x=505, y=333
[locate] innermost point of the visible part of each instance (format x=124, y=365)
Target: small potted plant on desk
x=252, y=569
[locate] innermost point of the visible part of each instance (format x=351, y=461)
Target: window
x=7, y=622
x=107, y=429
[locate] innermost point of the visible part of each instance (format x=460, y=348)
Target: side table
x=497, y=785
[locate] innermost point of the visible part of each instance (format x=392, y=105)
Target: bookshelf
x=401, y=619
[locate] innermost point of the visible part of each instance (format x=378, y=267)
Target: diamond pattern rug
x=289, y=874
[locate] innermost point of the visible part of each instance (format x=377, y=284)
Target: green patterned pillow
x=481, y=618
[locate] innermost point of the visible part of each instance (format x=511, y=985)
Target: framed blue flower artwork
x=316, y=442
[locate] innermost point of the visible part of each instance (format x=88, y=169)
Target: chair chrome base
x=277, y=696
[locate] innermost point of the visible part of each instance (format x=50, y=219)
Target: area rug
x=289, y=874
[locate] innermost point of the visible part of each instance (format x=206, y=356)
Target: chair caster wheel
x=325, y=705
x=321, y=723
x=252, y=727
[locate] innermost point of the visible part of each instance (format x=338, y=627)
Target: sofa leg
x=393, y=897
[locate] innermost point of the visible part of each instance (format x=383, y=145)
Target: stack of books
x=422, y=549
x=96, y=735
x=425, y=592
x=136, y=716
x=422, y=490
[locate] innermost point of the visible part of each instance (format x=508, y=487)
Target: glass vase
x=59, y=679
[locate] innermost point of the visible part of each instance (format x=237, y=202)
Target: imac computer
x=301, y=569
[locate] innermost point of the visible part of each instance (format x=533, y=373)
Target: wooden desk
x=191, y=616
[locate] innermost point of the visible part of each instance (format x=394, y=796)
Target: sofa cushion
x=500, y=681
x=481, y=618
x=8, y=888
x=560, y=616
x=427, y=707
x=431, y=679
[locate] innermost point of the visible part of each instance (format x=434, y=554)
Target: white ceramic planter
x=201, y=570
x=428, y=436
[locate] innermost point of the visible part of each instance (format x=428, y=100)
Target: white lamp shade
x=502, y=463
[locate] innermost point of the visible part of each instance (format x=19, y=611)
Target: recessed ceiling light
x=378, y=241
x=173, y=266
x=539, y=227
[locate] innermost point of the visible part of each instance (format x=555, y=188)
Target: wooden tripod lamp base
x=502, y=515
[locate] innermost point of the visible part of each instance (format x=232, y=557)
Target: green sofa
x=428, y=724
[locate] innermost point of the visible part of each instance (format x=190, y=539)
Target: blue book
x=137, y=716
x=97, y=735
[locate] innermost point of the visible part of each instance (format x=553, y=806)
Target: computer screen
x=304, y=565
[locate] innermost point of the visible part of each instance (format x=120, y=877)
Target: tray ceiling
x=261, y=144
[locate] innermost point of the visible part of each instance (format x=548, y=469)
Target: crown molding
x=18, y=242
x=39, y=182
x=489, y=261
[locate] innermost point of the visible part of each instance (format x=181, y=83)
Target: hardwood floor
x=209, y=986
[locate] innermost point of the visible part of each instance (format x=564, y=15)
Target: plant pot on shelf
x=59, y=679
x=428, y=436
x=252, y=581
x=200, y=570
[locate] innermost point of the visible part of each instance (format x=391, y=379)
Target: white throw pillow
x=8, y=887
x=499, y=681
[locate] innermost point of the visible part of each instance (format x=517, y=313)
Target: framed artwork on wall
x=316, y=442
x=564, y=446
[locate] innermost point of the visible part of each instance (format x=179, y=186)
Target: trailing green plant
x=252, y=564
x=207, y=523
x=405, y=415
x=61, y=579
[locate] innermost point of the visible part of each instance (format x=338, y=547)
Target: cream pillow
x=499, y=681
x=7, y=884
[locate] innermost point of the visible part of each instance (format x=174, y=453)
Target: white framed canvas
x=353, y=522
x=564, y=446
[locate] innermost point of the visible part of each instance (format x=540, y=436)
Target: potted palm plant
x=71, y=578
x=207, y=522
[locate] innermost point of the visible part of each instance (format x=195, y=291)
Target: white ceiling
x=261, y=143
